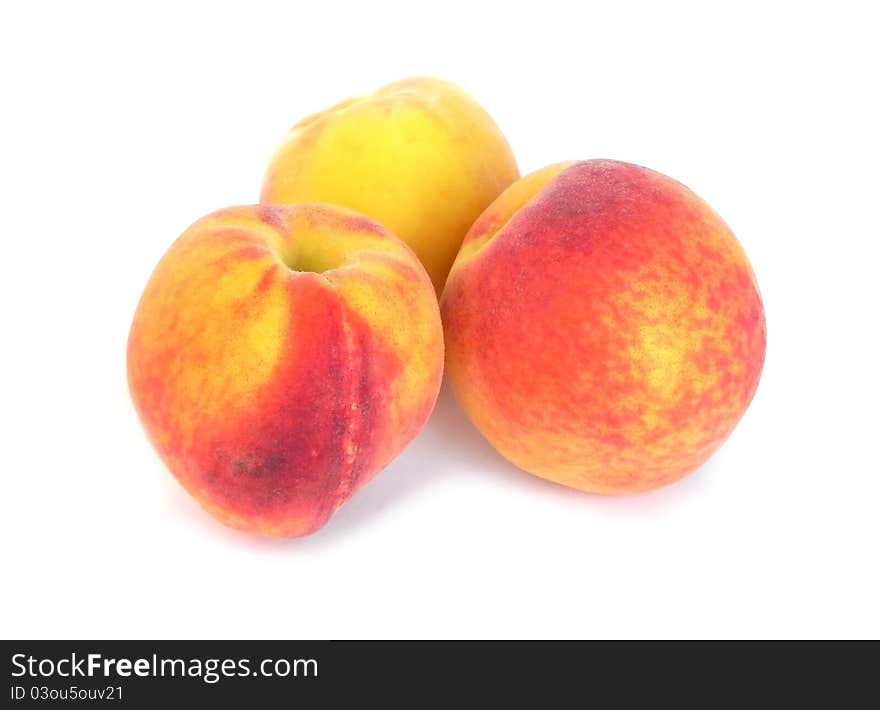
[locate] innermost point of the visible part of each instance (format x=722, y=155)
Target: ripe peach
x=280, y=357
x=419, y=156
x=603, y=327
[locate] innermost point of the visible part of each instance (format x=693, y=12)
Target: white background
x=121, y=125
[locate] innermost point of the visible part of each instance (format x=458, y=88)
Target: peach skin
x=280, y=357
x=603, y=327
x=419, y=156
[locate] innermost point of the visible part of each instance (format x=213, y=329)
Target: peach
x=603, y=327
x=280, y=357
x=419, y=156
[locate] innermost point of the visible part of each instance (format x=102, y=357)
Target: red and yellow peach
x=280, y=357
x=603, y=326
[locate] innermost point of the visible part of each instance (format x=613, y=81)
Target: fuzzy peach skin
x=419, y=156
x=603, y=327
x=280, y=357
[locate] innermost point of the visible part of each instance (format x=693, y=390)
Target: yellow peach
x=419, y=156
